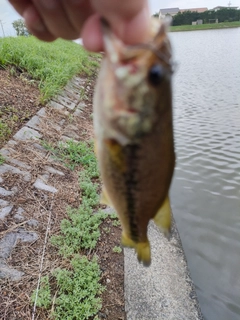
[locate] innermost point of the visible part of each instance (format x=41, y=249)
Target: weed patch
x=78, y=287
x=78, y=290
x=79, y=232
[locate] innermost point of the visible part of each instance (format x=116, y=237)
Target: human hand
x=51, y=19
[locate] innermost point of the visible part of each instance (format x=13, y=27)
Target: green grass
x=73, y=154
x=220, y=25
x=52, y=64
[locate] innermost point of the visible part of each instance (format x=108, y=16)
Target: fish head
x=139, y=82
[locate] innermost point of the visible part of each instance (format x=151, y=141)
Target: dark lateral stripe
x=131, y=187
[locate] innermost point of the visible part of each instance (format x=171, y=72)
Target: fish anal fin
x=104, y=198
x=163, y=218
x=127, y=241
x=142, y=249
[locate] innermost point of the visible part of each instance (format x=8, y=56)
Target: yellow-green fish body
x=134, y=134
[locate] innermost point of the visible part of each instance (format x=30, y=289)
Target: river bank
x=221, y=25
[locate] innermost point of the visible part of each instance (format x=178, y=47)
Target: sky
x=8, y=15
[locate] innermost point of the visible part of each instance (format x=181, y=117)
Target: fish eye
x=156, y=74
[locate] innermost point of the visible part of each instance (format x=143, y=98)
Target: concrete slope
x=164, y=290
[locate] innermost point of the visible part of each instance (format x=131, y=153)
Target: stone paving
x=68, y=103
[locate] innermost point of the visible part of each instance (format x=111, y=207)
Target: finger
x=128, y=19
x=35, y=24
x=55, y=19
x=20, y=6
x=124, y=9
x=78, y=11
x=131, y=32
x=92, y=34
x=135, y=30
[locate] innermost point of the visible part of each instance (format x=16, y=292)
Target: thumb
x=129, y=22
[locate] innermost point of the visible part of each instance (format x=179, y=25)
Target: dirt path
x=36, y=189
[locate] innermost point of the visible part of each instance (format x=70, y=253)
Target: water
x=206, y=188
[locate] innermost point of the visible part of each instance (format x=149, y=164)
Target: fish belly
x=136, y=179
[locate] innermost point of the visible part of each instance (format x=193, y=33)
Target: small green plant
x=43, y=294
x=90, y=196
x=4, y=130
x=106, y=229
x=80, y=232
x=78, y=290
x=2, y=160
x=117, y=249
x=116, y=223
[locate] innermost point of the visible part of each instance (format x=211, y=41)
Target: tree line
x=223, y=15
x=181, y=18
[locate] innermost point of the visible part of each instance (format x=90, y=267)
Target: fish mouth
x=131, y=111
x=125, y=110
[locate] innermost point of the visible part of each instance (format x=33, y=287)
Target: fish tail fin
x=142, y=249
x=144, y=253
x=163, y=218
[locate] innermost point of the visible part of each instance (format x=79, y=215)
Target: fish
x=133, y=128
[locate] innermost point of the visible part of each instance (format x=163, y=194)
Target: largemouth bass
x=134, y=134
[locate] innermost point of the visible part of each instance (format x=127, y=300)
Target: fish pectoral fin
x=116, y=153
x=142, y=249
x=104, y=198
x=163, y=218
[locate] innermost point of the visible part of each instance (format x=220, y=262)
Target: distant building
x=199, y=10
x=173, y=11
x=199, y=21
x=222, y=7
x=168, y=12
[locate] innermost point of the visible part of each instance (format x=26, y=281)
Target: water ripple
x=206, y=188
